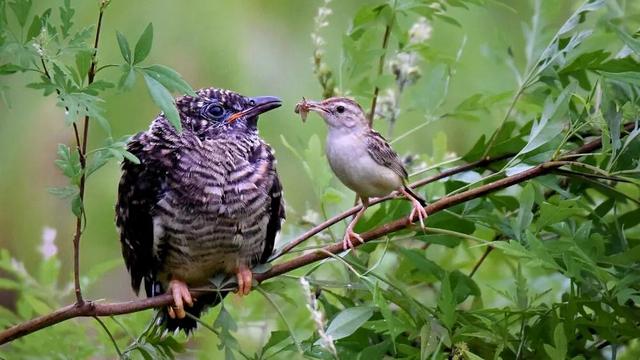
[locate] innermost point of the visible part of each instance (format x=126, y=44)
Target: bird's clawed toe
x=348, y=236
x=245, y=279
x=419, y=211
x=181, y=296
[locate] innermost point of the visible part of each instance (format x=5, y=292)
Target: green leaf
x=225, y=321
x=81, y=38
x=418, y=259
x=34, y=28
x=9, y=69
x=446, y=304
x=143, y=46
x=21, y=9
x=633, y=44
x=348, y=321
x=64, y=192
x=551, y=214
x=49, y=271
x=525, y=216
x=39, y=306
x=559, y=351
x=275, y=338
x=463, y=286
x=83, y=63
x=550, y=124
x=76, y=206
x=522, y=293
x=7, y=284
x=66, y=17
x=169, y=78
x=129, y=156
x=127, y=79
x=162, y=97
x=125, y=50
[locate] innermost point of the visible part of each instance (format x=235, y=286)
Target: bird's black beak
x=258, y=105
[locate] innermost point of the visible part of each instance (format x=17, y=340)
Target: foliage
x=545, y=269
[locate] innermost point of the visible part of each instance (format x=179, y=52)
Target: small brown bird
x=360, y=157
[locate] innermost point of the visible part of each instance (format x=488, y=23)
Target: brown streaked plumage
x=202, y=202
x=360, y=157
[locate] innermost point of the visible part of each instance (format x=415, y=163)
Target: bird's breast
x=350, y=160
x=214, y=213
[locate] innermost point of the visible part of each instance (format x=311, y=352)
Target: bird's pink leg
x=418, y=209
x=245, y=278
x=180, y=292
x=349, y=233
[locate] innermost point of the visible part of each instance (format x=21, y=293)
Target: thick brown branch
x=106, y=309
x=329, y=222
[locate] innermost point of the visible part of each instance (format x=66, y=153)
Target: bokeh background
x=256, y=48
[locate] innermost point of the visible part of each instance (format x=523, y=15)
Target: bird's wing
x=380, y=150
x=276, y=215
x=138, y=192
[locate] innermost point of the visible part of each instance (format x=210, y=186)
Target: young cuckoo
x=203, y=201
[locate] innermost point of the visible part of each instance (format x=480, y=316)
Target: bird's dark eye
x=213, y=111
x=340, y=109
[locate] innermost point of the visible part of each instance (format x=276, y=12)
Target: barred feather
x=202, y=202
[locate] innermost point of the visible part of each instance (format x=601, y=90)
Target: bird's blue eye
x=213, y=111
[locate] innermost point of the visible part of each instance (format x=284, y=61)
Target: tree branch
x=94, y=309
x=332, y=221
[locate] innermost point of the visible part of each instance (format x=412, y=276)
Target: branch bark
x=94, y=309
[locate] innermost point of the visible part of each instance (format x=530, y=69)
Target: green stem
x=284, y=318
x=454, y=233
x=213, y=330
x=385, y=43
x=113, y=340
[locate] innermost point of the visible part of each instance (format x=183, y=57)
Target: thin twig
x=376, y=90
x=83, y=165
x=90, y=308
x=481, y=260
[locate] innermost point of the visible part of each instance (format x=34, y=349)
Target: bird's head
x=337, y=112
x=213, y=111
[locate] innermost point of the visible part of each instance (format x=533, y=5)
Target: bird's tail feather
x=422, y=201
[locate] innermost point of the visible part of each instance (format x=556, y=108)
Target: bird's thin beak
x=315, y=106
x=259, y=105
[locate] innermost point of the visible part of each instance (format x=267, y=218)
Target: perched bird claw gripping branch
x=201, y=202
x=361, y=158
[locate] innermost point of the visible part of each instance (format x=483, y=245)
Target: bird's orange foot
x=181, y=295
x=348, y=236
x=418, y=210
x=245, y=278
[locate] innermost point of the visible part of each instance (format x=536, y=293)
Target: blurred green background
x=253, y=47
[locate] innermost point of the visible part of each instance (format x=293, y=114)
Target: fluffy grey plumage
x=203, y=201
